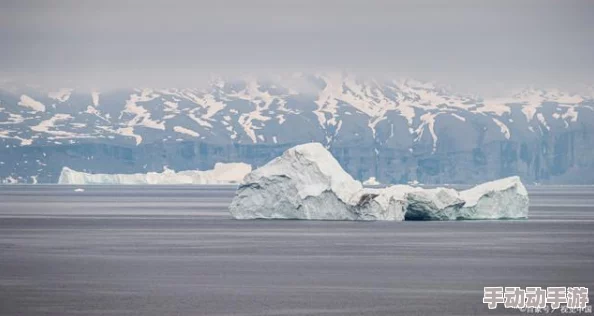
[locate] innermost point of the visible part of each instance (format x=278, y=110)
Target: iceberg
x=504, y=198
x=306, y=182
x=499, y=199
x=223, y=173
x=433, y=204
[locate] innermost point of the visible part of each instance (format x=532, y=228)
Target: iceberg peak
x=313, y=169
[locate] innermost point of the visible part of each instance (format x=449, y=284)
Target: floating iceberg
x=306, y=182
x=223, y=173
x=433, y=204
x=504, y=198
x=499, y=199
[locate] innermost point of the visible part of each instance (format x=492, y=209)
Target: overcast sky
x=175, y=43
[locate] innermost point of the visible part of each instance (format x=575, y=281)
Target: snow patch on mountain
x=342, y=107
x=570, y=114
x=31, y=103
x=141, y=115
x=262, y=101
x=543, y=121
x=48, y=126
x=95, y=98
x=61, y=95
x=504, y=129
x=327, y=102
x=458, y=117
x=497, y=106
x=129, y=132
x=23, y=141
x=207, y=102
x=428, y=122
x=186, y=131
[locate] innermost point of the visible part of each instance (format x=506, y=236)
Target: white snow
x=61, y=95
x=375, y=101
x=129, y=131
x=503, y=198
x=47, y=126
x=570, y=114
x=306, y=182
x=92, y=110
x=428, y=120
x=281, y=119
x=246, y=121
x=186, y=131
x=13, y=119
x=197, y=119
x=170, y=106
x=141, y=115
x=206, y=101
x=326, y=101
x=223, y=173
x=504, y=129
x=542, y=120
x=6, y=134
x=364, y=96
x=458, y=117
x=10, y=180
x=532, y=99
x=29, y=102
x=262, y=101
x=95, y=98
x=496, y=106
x=371, y=181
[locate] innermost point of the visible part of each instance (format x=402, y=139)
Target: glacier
x=223, y=173
x=306, y=182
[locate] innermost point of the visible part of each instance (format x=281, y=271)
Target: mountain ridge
x=542, y=135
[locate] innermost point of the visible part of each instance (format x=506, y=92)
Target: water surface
x=174, y=250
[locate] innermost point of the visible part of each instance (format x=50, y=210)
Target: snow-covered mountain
x=393, y=130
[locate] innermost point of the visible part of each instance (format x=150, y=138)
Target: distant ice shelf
x=307, y=182
x=223, y=173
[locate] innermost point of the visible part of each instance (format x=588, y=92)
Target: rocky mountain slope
x=397, y=131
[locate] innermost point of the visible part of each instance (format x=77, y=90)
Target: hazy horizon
x=482, y=46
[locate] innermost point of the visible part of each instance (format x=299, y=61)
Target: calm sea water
x=174, y=250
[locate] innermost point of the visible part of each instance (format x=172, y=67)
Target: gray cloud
x=173, y=43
